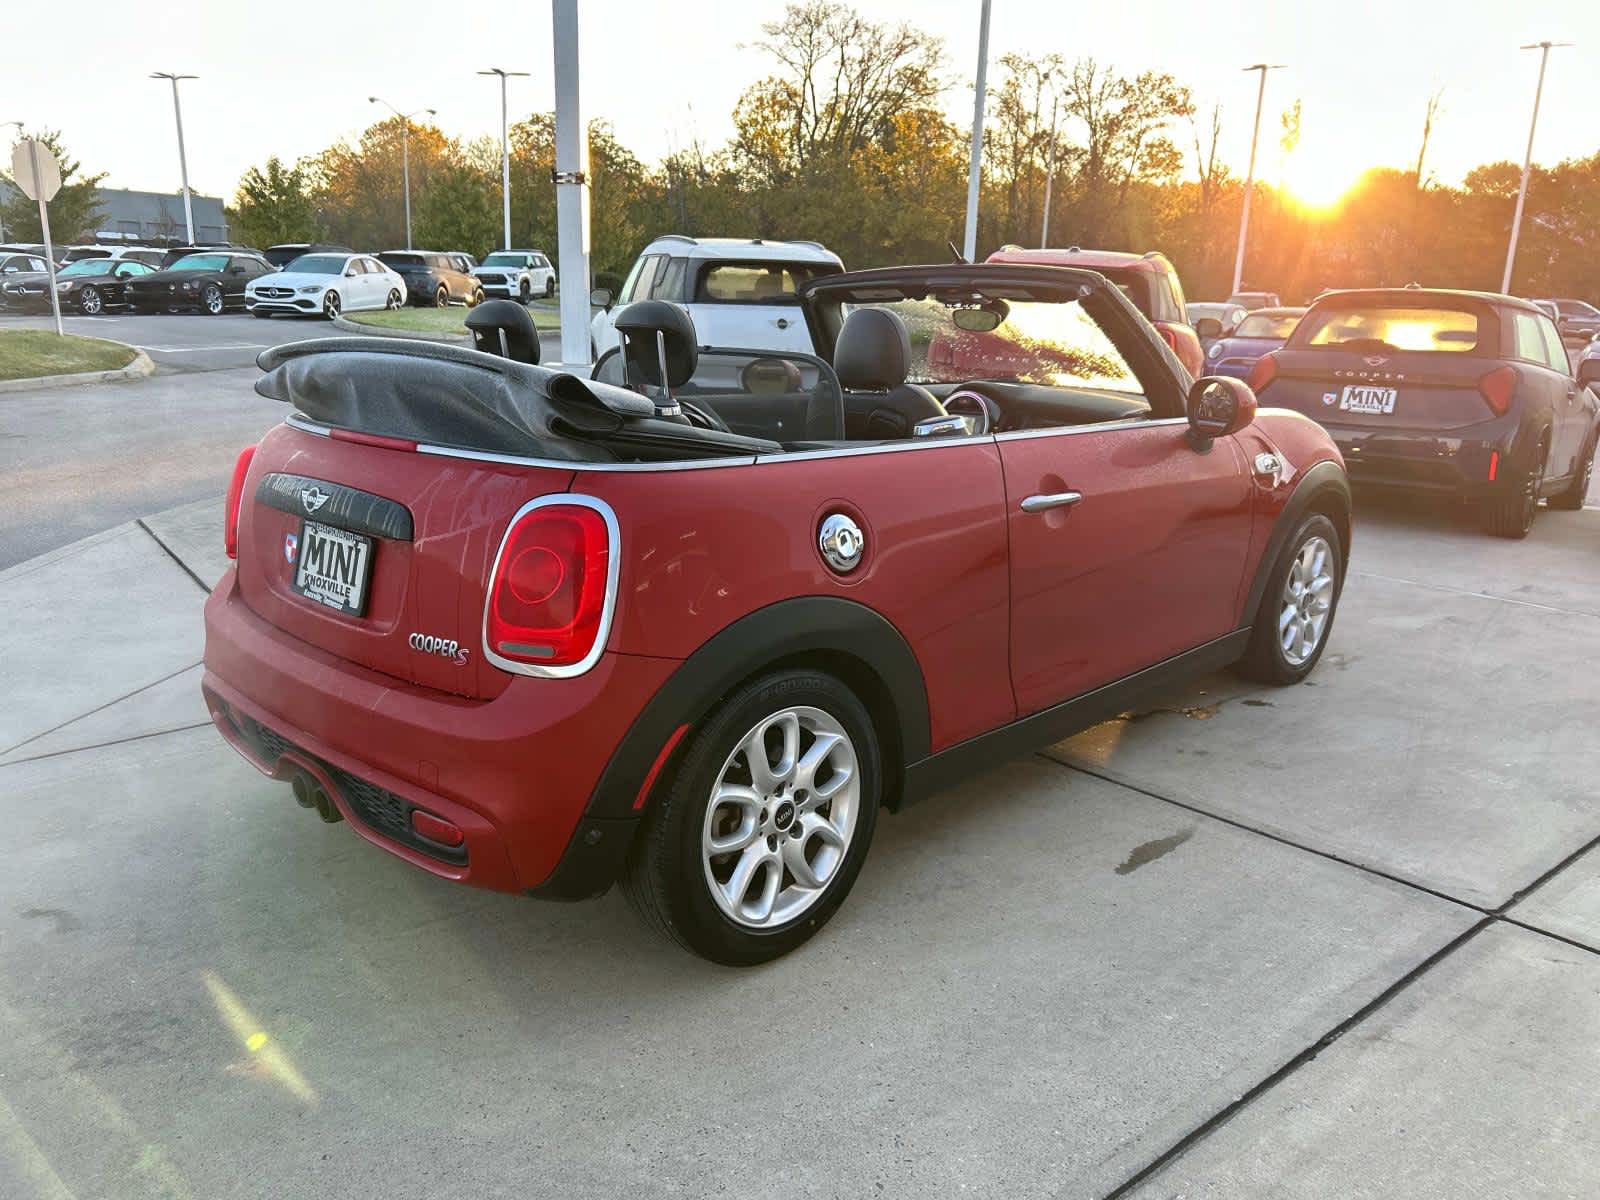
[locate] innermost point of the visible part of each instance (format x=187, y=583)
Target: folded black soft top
x=454, y=396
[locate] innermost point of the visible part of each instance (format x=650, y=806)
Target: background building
x=129, y=216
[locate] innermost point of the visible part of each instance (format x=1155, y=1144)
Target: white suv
x=516, y=275
x=740, y=292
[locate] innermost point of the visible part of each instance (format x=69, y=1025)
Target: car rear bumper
x=1468, y=466
x=515, y=774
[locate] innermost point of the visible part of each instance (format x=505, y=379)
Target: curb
x=140, y=368
x=410, y=335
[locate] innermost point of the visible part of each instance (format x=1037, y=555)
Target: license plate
x=1358, y=398
x=331, y=566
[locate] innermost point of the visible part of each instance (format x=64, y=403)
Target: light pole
x=1250, y=176
x=405, y=153
x=975, y=169
x=1049, y=170
x=183, y=161
x=1527, y=161
x=505, y=148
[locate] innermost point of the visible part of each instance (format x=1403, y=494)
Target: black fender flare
x=857, y=641
x=1324, y=485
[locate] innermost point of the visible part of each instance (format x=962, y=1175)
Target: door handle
x=1033, y=504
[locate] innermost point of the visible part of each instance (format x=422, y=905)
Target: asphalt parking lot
x=1339, y=939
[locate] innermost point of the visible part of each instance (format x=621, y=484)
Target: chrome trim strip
x=305, y=426
x=607, y=611
x=885, y=448
x=1098, y=427
x=692, y=464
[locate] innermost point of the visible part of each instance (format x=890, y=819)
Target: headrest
x=770, y=377
x=504, y=328
x=641, y=321
x=873, y=351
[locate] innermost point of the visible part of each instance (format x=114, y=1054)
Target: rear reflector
x=1494, y=464
x=1263, y=373
x=230, y=520
x=550, y=595
x=1169, y=337
x=655, y=767
x=1498, y=387
x=436, y=829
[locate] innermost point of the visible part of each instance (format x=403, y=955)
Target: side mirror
x=351, y=273
x=1218, y=406
x=1208, y=327
x=601, y=298
x=1589, y=370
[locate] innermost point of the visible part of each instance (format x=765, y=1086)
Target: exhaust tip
x=303, y=787
x=326, y=808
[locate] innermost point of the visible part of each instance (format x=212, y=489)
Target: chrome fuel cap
x=841, y=541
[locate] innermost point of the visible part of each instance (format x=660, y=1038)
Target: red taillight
x=436, y=829
x=548, y=597
x=1263, y=373
x=1498, y=387
x=230, y=523
x=1169, y=336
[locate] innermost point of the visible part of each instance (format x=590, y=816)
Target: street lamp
x=1050, y=165
x=405, y=152
x=183, y=162
x=1527, y=160
x=505, y=148
x=1250, y=176
x=975, y=167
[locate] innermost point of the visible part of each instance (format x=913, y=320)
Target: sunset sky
x=290, y=77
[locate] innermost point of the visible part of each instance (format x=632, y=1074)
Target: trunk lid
x=1432, y=391
x=431, y=583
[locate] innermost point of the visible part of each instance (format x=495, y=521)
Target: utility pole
x=975, y=171
x=1250, y=176
x=1544, y=49
x=571, y=177
x=505, y=149
x=1049, y=175
x=405, y=152
x=183, y=160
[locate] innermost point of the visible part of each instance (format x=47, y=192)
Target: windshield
x=86, y=266
x=402, y=261
x=505, y=260
x=318, y=264
x=200, y=262
x=1397, y=327
x=1058, y=344
x=1262, y=326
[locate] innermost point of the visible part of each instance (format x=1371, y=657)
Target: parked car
x=34, y=248
x=737, y=291
x=1255, y=300
x=173, y=253
x=20, y=276
x=15, y=264
x=211, y=281
x=1149, y=280
x=1211, y=320
x=516, y=275
x=719, y=675
x=285, y=253
x=1261, y=331
x=329, y=284
x=433, y=278
x=463, y=261
x=89, y=285
x=1576, y=320
x=1465, y=393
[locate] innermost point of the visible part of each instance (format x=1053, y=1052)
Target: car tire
x=331, y=306
x=1295, y=620
x=476, y=298
x=1510, y=512
x=745, y=905
x=1572, y=497
x=212, y=301
x=90, y=302
x=394, y=300
x=523, y=292
x=549, y=288
x=441, y=296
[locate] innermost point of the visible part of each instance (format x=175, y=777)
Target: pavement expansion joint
x=132, y=737
x=200, y=583
x=144, y=687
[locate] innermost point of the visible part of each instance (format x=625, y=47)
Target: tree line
x=846, y=141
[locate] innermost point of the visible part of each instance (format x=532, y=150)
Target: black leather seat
x=872, y=357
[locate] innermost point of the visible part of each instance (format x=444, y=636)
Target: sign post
x=38, y=174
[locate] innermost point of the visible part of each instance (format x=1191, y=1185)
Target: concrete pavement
x=1057, y=980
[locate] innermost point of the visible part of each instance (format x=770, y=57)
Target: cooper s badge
x=443, y=647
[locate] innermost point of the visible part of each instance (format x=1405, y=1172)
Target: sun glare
x=1319, y=183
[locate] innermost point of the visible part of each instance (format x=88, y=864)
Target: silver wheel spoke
x=748, y=805
x=1308, y=595
x=794, y=857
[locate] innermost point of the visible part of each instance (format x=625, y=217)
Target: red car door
x=1144, y=564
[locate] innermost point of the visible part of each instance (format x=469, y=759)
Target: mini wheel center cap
x=783, y=815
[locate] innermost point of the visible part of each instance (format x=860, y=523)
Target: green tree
x=74, y=212
x=273, y=204
x=459, y=211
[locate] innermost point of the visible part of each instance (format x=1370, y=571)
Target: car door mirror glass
x=1589, y=370
x=601, y=298
x=1219, y=406
x=1208, y=327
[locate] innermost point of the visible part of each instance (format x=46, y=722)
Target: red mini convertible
x=690, y=620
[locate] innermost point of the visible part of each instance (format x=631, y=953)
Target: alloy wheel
x=780, y=818
x=330, y=305
x=89, y=303
x=441, y=297
x=212, y=299
x=394, y=300
x=1307, y=601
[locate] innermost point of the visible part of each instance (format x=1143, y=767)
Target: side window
x=1178, y=307
x=670, y=283
x=749, y=283
x=1555, y=352
x=1527, y=337
x=643, y=278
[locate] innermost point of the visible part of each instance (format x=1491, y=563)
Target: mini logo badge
x=313, y=498
x=291, y=548
x=1377, y=360
x=1330, y=397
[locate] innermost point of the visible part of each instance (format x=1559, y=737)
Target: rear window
x=1259, y=326
x=317, y=264
x=402, y=260
x=1397, y=327
x=752, y=283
